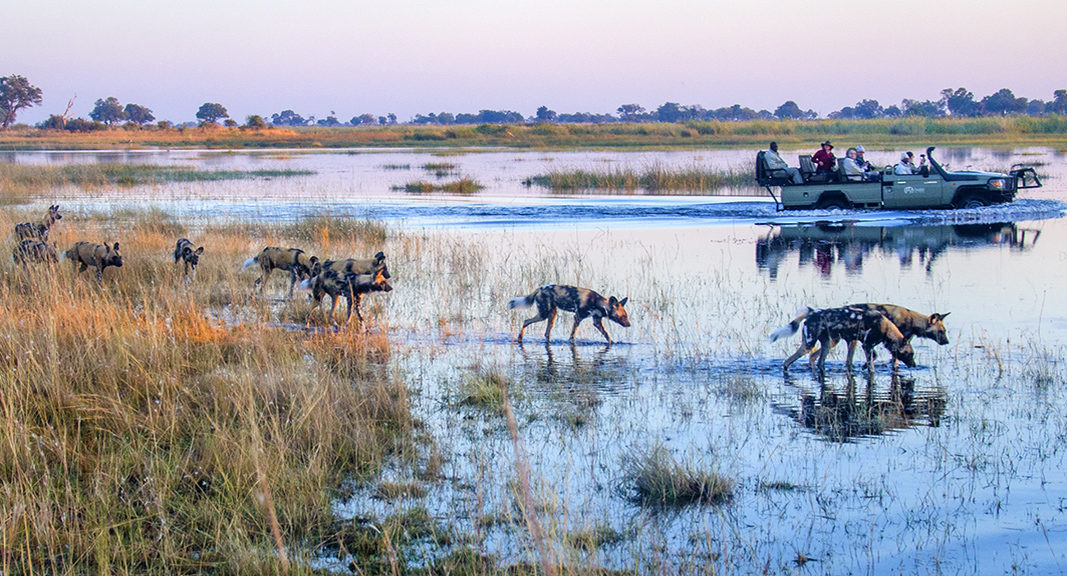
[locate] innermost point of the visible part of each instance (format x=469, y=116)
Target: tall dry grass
x=153, y=426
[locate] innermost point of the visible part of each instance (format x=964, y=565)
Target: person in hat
x=905, y=165
x=824, y=159
x=774, y=162
x=860, y=160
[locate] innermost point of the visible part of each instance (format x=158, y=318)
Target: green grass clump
x=486, y=391
x=463, y=186
x=593, y=537
x=654, y=180
x=655, y=478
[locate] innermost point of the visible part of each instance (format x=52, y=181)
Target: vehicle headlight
x=998, y=183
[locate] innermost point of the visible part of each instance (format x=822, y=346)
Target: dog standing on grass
x=337, y=284
x=354, y=266
x=38, y=230
x=824, y=327
x=31, y=251
x=581, y=301
x=184, y=252
x=294, y=260
x=98, y=256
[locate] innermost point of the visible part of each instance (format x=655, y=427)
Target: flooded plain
x=956, y=466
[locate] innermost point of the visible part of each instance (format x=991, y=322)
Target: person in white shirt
x=852, y=169
x=774, y=162
x=904, y=166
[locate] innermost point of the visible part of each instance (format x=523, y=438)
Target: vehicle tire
x=832, y=203
x=972, y=200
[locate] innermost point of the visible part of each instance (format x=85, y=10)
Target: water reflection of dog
x=841, y=416
x=826, y=246
x=576, y=385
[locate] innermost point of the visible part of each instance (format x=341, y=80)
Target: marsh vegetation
x=189, y=426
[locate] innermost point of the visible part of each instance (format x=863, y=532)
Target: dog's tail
x=791, y=328
x=305, y=285
x=248, y=263
x=521, y=302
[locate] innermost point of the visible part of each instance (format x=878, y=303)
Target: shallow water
x=956, y=466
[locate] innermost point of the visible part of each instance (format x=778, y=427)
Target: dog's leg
x=333, y=306
x=800, y=352
x=551, y=321
x=292, y=284
x=317, y=297
x=529, y=321
x=851, y=353
x=825, y=345
x=359, y=308
x=598, y=322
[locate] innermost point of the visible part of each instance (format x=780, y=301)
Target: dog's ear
x=200, y=250
x=314, y=259
x=623, y=301
x=187, y=251
x=935, y=316
x=613, y=301
x=379, y=256
x=116, y=245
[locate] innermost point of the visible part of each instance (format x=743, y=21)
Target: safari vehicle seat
x=808, y=171
x=766, y=177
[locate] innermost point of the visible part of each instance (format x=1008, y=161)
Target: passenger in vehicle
x=870, y=173
x=852, y=169
x=924, y=168
x=774, y=162
x=863, y=163
x=824, y=159
x=905, y=166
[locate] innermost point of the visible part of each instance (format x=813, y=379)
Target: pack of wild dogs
x=864, y=324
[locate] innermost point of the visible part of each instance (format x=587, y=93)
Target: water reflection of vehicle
x=843, y=415
x=829, y=245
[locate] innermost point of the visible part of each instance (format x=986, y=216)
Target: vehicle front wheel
x=832, y=203
x=972, y=201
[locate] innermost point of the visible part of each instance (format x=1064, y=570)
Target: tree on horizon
x=16, y=93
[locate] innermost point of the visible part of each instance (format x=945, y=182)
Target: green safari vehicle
x=939, y=188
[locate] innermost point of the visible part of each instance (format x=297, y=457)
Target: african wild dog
x=29, y=251
x=351, y=286
x=354, y=266
x=295, y=260
x=184, y=252
x=909, y=322
x=38, y=230
x=98, y=256
x=582, y=301
x=852, y=325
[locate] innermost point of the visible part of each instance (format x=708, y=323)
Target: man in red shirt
x=824, y=158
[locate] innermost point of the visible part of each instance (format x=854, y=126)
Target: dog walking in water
x=824, y=327
x=909, y=322
x=581, y=301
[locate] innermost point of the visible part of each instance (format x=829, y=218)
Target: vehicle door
x=908, y=191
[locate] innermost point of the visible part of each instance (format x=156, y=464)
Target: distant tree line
x=16, y=94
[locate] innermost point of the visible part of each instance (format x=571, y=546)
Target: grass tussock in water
x=140, y=430
x=653, y=180
x=484, y=390
x=656, y=478
x=463, y=186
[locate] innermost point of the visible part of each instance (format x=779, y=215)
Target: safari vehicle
x=940, y=188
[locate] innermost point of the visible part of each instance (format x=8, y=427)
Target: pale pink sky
x=408, y=56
